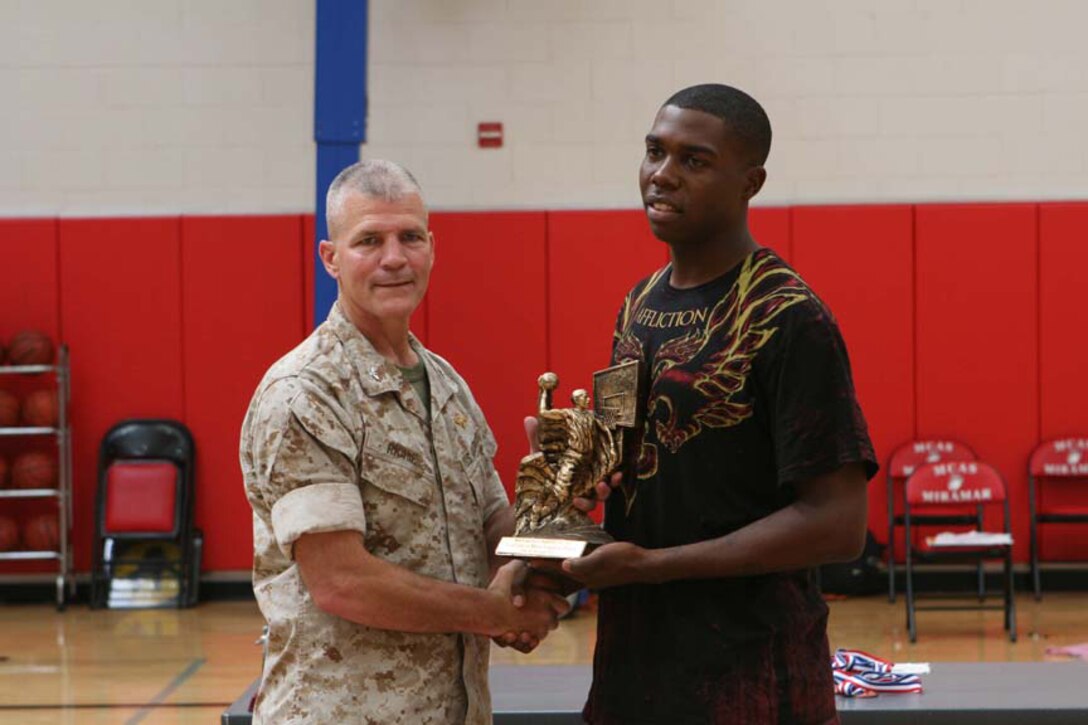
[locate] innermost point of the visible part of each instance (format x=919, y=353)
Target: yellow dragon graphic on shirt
x=713, y=357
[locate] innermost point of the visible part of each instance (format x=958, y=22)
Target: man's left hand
x=610, y=565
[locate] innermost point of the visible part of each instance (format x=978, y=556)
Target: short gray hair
x=375, y=178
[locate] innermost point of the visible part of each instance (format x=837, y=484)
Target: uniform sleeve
x=494, y=494
x=816, y=421
x=495, y=498
x=310, y=481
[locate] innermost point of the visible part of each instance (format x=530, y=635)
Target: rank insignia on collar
x=460, y=420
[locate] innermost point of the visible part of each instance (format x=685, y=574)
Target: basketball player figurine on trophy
x=579, y=446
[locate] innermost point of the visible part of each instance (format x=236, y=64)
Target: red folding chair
x=904, y=461
x=1056, y=468
x=931, y=491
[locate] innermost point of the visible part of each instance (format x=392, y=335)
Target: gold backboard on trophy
x=615, y=394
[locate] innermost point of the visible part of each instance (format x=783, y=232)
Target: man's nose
x=393, y=254
x=665, y=174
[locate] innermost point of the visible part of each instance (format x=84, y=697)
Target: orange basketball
x=9, y=533
x=3, y=472
x=34, y=470
x=9, y=409
x=40, y=408
x=30, y=347
x=40, y=533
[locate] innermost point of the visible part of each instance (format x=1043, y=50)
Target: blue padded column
x=340, y=103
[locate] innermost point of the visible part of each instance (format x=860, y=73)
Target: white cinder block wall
x=155, y=106
x=870, y=100
x=166, y=106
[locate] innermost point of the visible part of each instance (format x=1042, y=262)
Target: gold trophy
x=579, y=446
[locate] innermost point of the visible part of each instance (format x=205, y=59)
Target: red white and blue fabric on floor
x=859, y=674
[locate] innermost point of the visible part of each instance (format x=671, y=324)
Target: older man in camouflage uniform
x=375, y=502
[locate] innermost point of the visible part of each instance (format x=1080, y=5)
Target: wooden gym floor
x=170, y=666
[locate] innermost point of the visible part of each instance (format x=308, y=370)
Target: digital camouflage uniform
x=335, y=438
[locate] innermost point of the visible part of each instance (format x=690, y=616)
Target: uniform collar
x=376, y=374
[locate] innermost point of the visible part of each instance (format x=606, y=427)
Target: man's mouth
x=659, y=209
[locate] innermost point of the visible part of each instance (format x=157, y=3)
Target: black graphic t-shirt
x=748, y=391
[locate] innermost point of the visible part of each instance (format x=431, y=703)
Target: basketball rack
x=62, y=555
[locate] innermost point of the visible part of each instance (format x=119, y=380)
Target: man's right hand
x=527, y=613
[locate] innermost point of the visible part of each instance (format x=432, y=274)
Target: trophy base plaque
x=531, y=547
x=548, y=543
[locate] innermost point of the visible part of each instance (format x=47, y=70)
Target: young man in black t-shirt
x=753, y=460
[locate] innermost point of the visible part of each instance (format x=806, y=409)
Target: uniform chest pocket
x=399, y=478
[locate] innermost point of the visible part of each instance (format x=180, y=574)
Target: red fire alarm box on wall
x=489, y=135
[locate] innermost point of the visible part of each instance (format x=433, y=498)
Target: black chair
x=144, y=511
x=1057, y=490
x=935, y=488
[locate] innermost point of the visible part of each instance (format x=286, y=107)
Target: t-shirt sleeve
x=311, y=482
x=617, y=330
x=816, y=421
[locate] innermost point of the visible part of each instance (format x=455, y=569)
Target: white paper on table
x=911, y=668
x=970, y=538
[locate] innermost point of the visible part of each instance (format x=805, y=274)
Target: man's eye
x=652, y=152
x=695, y=162
x=368, y=241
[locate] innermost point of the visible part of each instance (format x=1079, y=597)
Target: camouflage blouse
x=335, y=438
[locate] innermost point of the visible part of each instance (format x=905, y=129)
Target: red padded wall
x=1063, y=353
x=28, y=277
x=240, y=313
x=594, y=258
x=161, y=324
x=120, y=310
x=486, y=309
x=1063, y=319
x=309, y=262
x=770, y=226
x=859, y=259
x=976, y=331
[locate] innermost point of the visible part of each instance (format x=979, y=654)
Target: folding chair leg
x=1006, y=597
x=1010, y=601
x=183, y=569
x=911, y=625
x=891, y=549
x=981, y=582
x=185, y=564
x=891, y=569
x=94, y=588
x=1035, y=578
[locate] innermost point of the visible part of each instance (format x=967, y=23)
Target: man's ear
x=754, y=179
x=327, y=250
x=431, y=235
